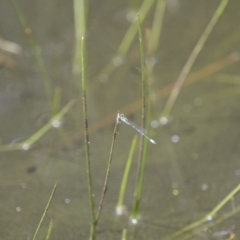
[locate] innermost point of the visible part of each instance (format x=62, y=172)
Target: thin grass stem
x=214, y=223
x=140, y=171
x=152, y=43
x=87, y=142
x=49, y=125
x=128, y=39
x=25, y=145
x=135, y=210
x=149, y=70
x=57, y=100
x=124, y=234
x=119, y=208
x=187, y=67
x=80, y=11
x=45, y=211
x=115, y=131
x=143, y=75
x=157, y=25
x=138, y=192
x=49, y=232
x=208, y=217
x=35, y=50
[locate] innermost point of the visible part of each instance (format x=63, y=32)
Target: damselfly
x=142, y=131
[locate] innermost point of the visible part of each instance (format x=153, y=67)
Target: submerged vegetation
x=127, y=222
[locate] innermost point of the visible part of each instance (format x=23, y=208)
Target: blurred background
x=195, y=163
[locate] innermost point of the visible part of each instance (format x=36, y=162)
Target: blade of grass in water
x=36, y=53
x=120, y=207
x=45, y=211
x=186, y=69
x=157, y=25
x=36, y=136
x=127, y=40
x=50, y=227
x=124, y=234
x=143, y=74
x=143, y=143
x=152, y=43
x=80, y=12
x=139, y=187
x=87, y=143
x=151, y=48
x=208, y=217
x=57, y=100
x=211, y=224
x=115, y=131
x=49, y=125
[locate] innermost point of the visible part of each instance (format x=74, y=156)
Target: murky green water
x=195, y=163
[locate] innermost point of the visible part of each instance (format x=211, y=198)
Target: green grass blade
x=157, y=25
x=45, y=211
x=115, y=131
x=48, y=126
x=57, y=100
x=119, y=208
x=36, y=53
x=187, y=67
x=87, y=142
x=80, y=12
x=124, y=234
x=208, y=217
x=128, y=39
x=36, y=136
x=142, y=145
x=49, y=232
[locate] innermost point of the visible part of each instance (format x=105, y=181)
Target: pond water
x=192, y=168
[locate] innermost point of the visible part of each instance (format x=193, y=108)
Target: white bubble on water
x=18, y=209
x=154, y=124
x=67, y=200
x=204, y=187
x=121, y=210
x=134, y=221
x=175, y=138
x=209, y=218
x=25, y=146
x=56, y=123
x=163, y=120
